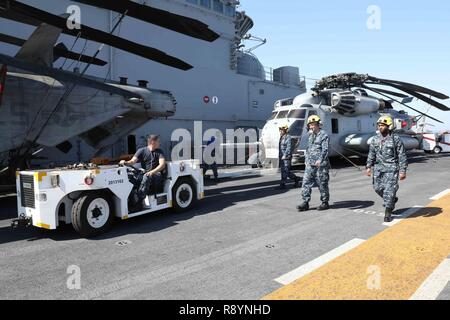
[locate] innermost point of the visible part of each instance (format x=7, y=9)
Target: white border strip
x=8, y=195
x=440, y=195
x=319, y=262
x=404, y=215
x=435, y=283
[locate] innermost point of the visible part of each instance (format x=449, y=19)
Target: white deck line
x=319, y=262
x=404, y=215
x=434, y=284
x=440, y=195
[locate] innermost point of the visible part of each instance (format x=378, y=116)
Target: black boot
x=303, y=207
x=297, y=183
x=388, y=215
x=324, y=206
x=136, y=207
x=282, y=186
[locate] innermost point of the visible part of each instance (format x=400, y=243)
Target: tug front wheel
x=92, y=214
x=184, y=195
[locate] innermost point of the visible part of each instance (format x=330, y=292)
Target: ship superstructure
x=227, y=88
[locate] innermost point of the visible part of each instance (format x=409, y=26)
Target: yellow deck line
x=403, y=255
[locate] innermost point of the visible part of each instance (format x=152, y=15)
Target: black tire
x=184, y=195
x=84, y=222
x=437, y=150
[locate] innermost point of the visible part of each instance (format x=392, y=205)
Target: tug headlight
x=41, y=197
x=55, y=180
x=89, y=180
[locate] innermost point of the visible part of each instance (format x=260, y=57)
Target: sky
x=325, y=37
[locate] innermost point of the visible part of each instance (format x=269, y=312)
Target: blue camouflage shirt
x=387, y=154
x=317, y=149
x=285, y=147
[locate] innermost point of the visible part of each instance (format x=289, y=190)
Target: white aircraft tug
x=89, y=196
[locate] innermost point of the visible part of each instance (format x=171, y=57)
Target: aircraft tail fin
x=38, y=48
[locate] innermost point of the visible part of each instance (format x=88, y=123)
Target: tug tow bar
x=22, y=221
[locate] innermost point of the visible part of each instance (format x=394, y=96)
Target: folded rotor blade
x=59, y=51
x=396, y=94
x=162, y=18
x=419, y=96
x=29, y=14
x=404, y=104
x=11, y=40
x=65, y=76
x=412, y=87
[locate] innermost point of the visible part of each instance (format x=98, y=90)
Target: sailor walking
x=387, y=163
x=285, y=158
x=316, y=165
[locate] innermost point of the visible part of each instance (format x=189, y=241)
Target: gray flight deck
x=232, y=245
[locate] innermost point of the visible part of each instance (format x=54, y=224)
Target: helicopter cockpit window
x=282, y=114
x=273, y=116
x=296, y=129
x=297, y=114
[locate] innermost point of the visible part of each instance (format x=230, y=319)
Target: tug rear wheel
x=92, y=214
x=184, y=195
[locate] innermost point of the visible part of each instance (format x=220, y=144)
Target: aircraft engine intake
x=350, y=104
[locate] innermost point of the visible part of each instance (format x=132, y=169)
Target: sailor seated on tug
x=153, y=163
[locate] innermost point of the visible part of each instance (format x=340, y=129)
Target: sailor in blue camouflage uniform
x=316, y=165
x=285, y=156
x=387, y=163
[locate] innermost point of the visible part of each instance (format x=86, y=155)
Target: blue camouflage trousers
x=320, y=176
x=386, y=186
x=147, y=183
x=286, y=173
x=213, y=167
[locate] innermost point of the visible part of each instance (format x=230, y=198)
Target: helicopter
x=44, y=106
x=349, y=115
